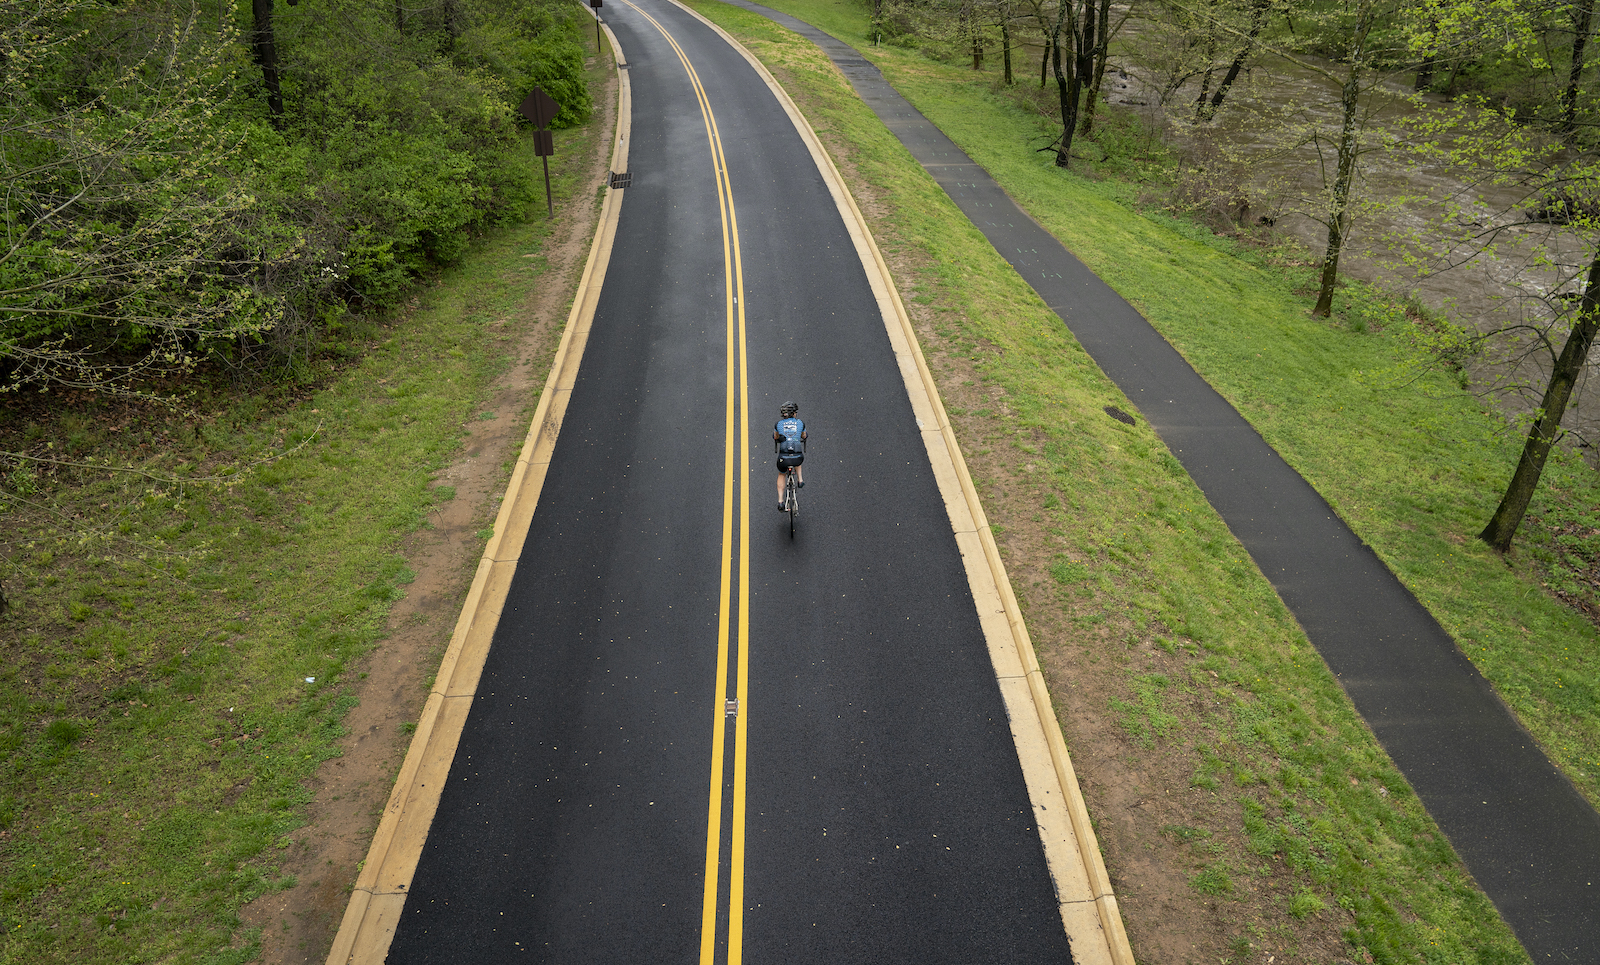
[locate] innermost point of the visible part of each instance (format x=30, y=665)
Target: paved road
x=884, y=816
x=1526, y=834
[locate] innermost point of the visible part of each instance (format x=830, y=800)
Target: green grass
x=1414, y=464
x=177, y=654
x=1124, y=571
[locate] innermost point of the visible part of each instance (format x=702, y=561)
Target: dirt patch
x=298, y=924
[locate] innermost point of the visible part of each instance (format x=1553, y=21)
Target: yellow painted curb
x=380, y=891
x=1083, y=889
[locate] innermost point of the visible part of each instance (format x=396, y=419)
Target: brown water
x=1261, y=145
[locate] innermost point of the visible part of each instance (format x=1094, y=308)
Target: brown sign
x=540, y=108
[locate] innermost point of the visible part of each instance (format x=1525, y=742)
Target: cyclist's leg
x=780, y=487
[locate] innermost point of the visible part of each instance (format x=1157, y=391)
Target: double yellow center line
x=733, y=463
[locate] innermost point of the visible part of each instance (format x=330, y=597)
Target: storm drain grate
x=621, y=180
x=1120, y=416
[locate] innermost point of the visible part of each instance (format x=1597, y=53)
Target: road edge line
x=1011, y=648
x=370, y=919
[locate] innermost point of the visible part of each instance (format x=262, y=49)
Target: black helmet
x=789, y=408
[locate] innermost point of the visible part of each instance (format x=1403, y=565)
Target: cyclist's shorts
x=790, y=459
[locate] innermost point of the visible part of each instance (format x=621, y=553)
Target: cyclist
x=789, y=442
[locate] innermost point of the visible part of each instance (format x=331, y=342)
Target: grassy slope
x=1415, y=466
x=162, y=710
x=1133, y=571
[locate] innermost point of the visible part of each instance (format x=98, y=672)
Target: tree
x=1548, y=236
x=1546, y=428
x=1582, y=14
x=158, y=215
x=1102, y=52
x=1005, y=40
x=1038, y=12
x=959, y=26
x=1076, y=28
x=1258, y=11
x=1178, y=41
x=1355, y=45
x=264, y=45
x=127, y=249
x=1348, y=148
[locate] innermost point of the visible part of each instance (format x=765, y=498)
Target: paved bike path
x=1526, y=834
x=887, y=818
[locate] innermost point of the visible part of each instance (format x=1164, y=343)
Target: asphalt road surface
x=862, y=801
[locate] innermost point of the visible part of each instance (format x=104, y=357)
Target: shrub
x=163, y=219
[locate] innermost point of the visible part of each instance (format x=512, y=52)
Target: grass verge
x=180, y=641
x=1245, y=808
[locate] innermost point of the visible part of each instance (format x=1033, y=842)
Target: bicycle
x=789, y=445
x=791, y=496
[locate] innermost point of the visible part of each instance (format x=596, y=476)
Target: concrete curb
x=1087, y=903
x=374, y=911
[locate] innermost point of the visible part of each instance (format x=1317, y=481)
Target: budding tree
x=1532, y=207
x=127, y=250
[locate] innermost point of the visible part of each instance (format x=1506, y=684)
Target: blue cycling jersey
x=791, y=436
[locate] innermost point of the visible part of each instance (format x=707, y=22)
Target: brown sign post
x=599, y=46
x=541, y=109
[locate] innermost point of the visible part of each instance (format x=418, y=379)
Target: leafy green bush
x=124, y=213
x=164, y=215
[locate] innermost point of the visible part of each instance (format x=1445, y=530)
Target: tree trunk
x=1005, y=46
x=1101, y=46
x=1547, y=428
x=965, y=30
x=1083, y=42
x=1067, y=88
x=265, y=50
x=1582, y=20
x=1425, y=74
x=1044, y=61
x=1339, y=208
x=1200, y=102
x=1228, y=79
x=452, y=24
x=1429, y=63
x=1258, y=19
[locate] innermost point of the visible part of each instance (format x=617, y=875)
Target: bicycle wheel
x=792, y=500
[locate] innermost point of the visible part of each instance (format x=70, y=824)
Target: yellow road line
x=742, y=722
x=733, y=290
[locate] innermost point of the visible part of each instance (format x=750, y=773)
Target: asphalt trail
x=887, y=816
x=1526, y=834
